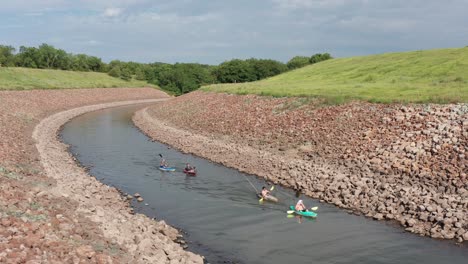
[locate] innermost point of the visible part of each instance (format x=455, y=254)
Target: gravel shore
x=51, y=210
x=405, y=163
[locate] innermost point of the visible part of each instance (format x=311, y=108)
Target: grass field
x=430, y=76
x=26, y=79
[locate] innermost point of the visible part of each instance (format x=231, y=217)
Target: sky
x=213, y=31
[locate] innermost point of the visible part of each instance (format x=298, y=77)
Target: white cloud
x=112, y=12
x=300, y=4
x=92, y=42
x=32, y=14
x=213, y=31
x=381, y=25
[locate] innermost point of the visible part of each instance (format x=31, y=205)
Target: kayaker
x=300, y=206
x=188, y=167
x=265, y=192
x=163, y=163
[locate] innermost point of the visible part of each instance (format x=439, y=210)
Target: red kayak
x=190, y=172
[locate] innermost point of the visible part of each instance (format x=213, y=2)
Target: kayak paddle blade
x=272, y=188
x=314, y=208
x=290, y=212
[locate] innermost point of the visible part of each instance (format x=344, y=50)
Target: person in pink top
x=300, y=206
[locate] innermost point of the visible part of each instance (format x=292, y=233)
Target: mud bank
x=394, y=162
x=51, y=210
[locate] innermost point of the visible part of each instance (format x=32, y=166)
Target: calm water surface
x=220, y=213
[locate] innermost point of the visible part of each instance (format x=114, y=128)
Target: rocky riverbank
x=405, y=163
x=51, y=210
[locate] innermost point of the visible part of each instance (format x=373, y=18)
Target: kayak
x=166, y=168
x=269, y=198
x=190, y=172
x=306, y=213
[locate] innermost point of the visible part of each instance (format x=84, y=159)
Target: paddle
x=271, y=189
x=292, y=211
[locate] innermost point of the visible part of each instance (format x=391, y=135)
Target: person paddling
x=188, y=167
x=300, y=206
x=163, y=163
x=265, y=192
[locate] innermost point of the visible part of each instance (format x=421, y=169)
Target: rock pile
x=406, y=163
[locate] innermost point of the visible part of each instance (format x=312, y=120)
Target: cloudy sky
x=212, y=31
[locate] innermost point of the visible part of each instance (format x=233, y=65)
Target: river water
x=220, y=213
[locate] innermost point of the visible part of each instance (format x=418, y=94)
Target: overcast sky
x=212, y=31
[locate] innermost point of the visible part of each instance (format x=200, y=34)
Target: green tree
x=126, y=74
x=47, y=56
x=319, y=57
x=7, y=56
x=266, y=68
x=182, y=78
x=140, y=74
x=27, y=57
x=95, y=64
x=297, y=62
x=115, y=71
x=234, y=71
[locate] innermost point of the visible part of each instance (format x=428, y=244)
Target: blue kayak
x=306, y=213
x=166, y=168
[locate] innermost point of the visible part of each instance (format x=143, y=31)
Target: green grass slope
x=25, y=79
x=430, y=76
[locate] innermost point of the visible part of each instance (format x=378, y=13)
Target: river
x=219, y=213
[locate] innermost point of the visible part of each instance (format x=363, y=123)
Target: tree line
x=178, y=78
x=48, y=57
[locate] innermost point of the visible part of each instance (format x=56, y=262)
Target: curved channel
x=220, y=213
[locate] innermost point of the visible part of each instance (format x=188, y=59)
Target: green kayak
x=306, y=213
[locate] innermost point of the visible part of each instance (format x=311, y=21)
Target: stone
x=378, y=216
x=136, y=195
x=435, y=233
x=465, y=236
x=140, y=199
x=85, y=251
x=448, y=234
x=411, y=222
x=448, y=222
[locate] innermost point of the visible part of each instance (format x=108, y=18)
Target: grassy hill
x=438, y=76
x=25, y=79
